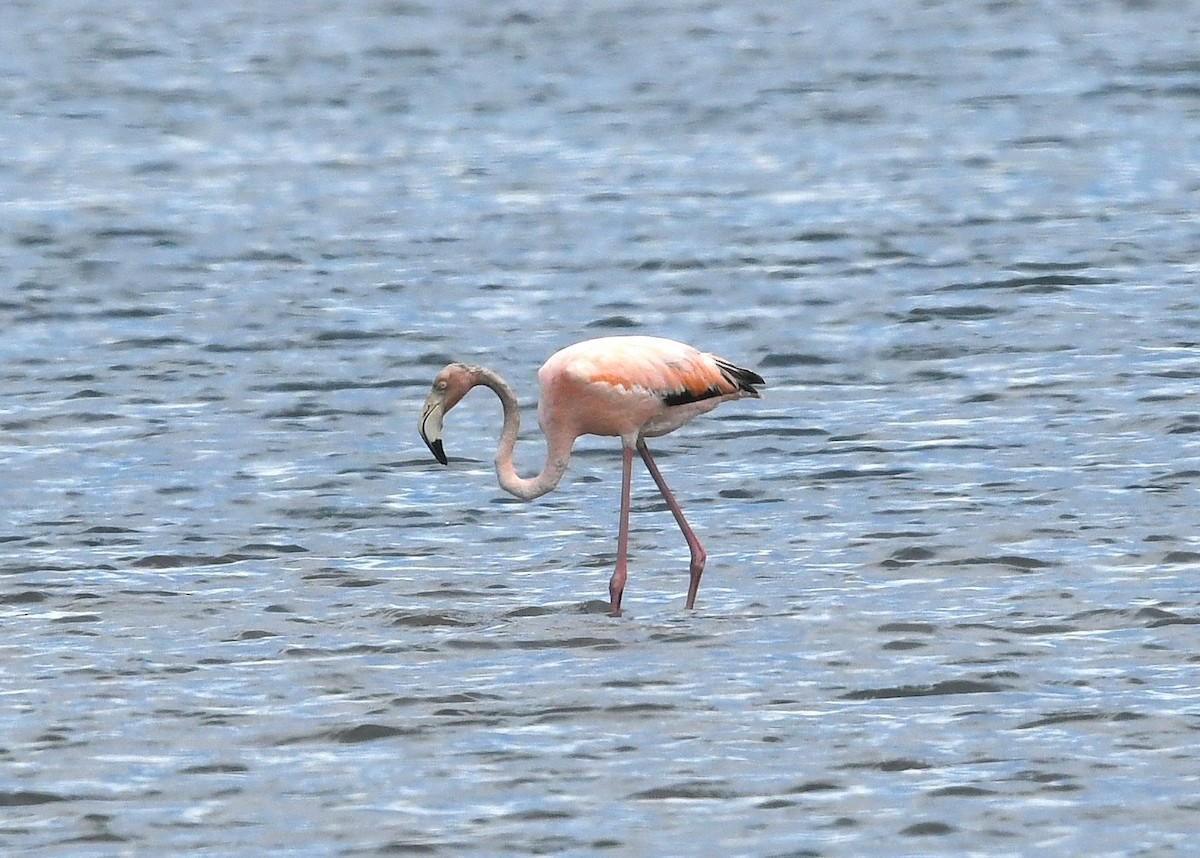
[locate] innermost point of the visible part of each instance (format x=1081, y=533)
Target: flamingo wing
x=635, y=383
x=675, y=373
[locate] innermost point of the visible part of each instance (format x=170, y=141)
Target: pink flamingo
x=629, y=387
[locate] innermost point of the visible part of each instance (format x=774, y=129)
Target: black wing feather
x=741, y=378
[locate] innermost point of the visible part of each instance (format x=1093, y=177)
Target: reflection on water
x=952, y=554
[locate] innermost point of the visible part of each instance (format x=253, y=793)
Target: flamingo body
x=633, y=387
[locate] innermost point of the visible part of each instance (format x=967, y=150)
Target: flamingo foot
x=695, y=569
x=616, y=588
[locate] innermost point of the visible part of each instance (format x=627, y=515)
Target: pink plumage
x=629, y=387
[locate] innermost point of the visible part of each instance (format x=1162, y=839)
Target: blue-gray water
x=953, y=583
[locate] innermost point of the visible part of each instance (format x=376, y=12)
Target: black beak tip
x=435, y=447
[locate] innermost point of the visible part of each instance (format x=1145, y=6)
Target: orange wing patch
x=692, y=381
x=704, y=380
x=691, y=394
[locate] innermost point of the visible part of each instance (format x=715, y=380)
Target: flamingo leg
x=616, y=586
x=697, y=550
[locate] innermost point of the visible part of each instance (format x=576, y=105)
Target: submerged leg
x=694, y=546
x=616, y=586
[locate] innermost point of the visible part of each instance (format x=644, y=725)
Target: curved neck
x=558, y=453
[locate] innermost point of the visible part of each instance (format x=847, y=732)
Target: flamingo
x=632, y=387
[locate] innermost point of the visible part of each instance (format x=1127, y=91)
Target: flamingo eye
x=440, y=384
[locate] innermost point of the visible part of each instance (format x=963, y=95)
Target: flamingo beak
x=430, y=426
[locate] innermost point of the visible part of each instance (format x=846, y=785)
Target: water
x=953, y=554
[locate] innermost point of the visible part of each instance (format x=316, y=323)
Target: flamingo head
x=449, y=386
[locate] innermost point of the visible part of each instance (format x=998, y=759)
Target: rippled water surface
x=952, y=588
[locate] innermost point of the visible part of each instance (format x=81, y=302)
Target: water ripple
x=950, y=584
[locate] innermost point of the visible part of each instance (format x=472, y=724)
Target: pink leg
x=616, y=586
x=694, y=546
